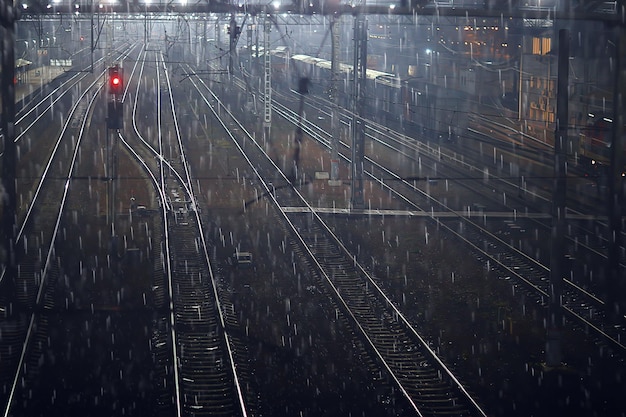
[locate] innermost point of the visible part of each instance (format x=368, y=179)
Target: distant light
x=591, y=115
x=428, y=51
x=606, y=119
x=276, y=4
x=392, y=6
x=77, y=6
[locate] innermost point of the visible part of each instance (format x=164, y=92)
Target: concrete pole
x=557, y=256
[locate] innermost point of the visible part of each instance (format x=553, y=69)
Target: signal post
x=115, y=120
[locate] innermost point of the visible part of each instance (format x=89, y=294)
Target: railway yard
x=430, y=300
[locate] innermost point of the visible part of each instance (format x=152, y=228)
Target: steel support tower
x=267, y=78
x=334, y=95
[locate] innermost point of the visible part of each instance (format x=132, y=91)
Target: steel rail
x=50, y=251
x=322, y=270
x=63, y=88
x=192, y=197
x=168, y=255
x=542, y=292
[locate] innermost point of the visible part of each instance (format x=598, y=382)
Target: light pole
x=8, y=16
x=431, y=76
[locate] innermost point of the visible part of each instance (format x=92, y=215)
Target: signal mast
x=115, y=117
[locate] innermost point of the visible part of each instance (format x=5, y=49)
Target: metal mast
x=218, y=40
x=8, y=17
x=358, y=97
x=267, y=77
x=232, y=32
x=616, y=282
x=557, y=256
x=334, y=88
x=249, y=42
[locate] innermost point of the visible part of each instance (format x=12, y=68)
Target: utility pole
x=8, y=16
x=557, y=255
x=358, y=99
x=92, y=42
x=249, y=42
x=334, y=96
x=218, y=41
x=267, y=77
x=233, y=33
x=616, y=283
x=146, y=26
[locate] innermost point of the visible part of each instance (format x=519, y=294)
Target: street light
x=431, y=76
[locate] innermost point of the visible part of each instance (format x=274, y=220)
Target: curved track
x=205, y=374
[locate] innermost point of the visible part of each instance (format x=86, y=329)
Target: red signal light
x=115, y=80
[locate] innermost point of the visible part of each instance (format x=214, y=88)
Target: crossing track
x=476, y=173
x=581, y=306
x=204, y=355
x=189, y=347
x=426, y=383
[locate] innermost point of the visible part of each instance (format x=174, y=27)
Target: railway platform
x=32, y=80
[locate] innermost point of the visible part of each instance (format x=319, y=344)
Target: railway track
x=191, y=340
x=479, y=173
x=206, y=380
x=425, y=382
x=39, y=269
x=181, y=315
x=582, y=306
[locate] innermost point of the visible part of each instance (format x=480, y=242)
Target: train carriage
x=435, y=111
x=594, y=147
x=413, y=105
x=440, y=112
